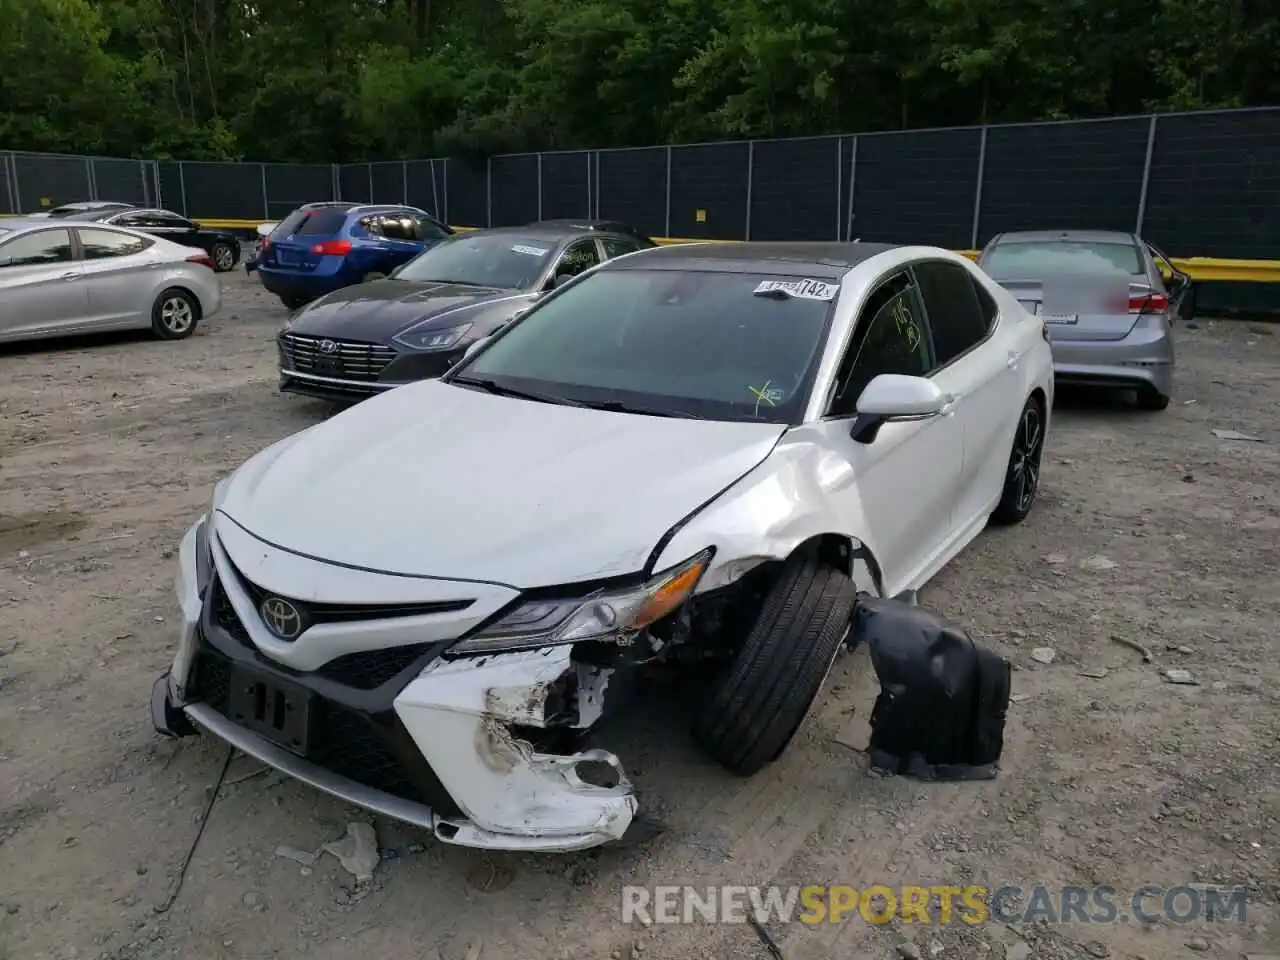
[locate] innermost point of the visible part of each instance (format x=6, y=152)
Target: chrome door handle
x=68, y=276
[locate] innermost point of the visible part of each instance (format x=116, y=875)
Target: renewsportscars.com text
x=970, y=905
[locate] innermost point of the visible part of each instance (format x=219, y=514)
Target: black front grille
x=354, y=747
x=313, y=613
x=370, y=669
x=211, y=681
x=224, y=615
x=369, y=747
x=339, y=359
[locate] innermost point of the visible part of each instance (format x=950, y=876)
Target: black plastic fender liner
x=943, y=699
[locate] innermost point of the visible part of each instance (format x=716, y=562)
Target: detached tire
x=759, y=704
x=175, y=314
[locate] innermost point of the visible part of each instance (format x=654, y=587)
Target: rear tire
x=175, y=314
x=756, y=708
x=224, y=258
x=1022, y=479
x=294, y=303
x=1149, y=398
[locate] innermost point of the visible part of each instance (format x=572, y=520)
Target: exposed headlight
x=606, y=615
x=432, y=339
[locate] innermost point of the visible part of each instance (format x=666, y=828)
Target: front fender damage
x=479, y=723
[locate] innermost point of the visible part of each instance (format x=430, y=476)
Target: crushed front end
x=376, y=700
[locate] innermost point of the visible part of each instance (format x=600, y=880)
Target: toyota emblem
x=281, y=617
x=328, y=346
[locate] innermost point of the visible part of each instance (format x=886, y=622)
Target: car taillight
x=1148, y=303
x=201, y=258
x=332, y=248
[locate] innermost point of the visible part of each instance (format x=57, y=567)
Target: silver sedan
x=59, y=278
x=1104, y=301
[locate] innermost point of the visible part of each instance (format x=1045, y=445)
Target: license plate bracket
x=330, y=366
x=274, y=709
x=1065, y=319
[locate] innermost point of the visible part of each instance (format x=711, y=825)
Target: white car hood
x=434, y=480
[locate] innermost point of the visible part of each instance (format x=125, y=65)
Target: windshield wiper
x=617, y=406
x=492, y=386
x=457, y=283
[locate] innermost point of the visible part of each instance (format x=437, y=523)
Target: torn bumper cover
x=443, y=752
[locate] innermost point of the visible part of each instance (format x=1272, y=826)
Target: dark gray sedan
x=419, y=321
x=1104, y=301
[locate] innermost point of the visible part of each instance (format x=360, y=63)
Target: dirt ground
x=1149, y=529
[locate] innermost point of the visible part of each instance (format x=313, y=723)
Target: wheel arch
x=768, y=517
x=1037, y=394
x=846, y=553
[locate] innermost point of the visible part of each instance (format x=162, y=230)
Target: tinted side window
x=617, y=246
x=102, y=244
x=428, y=229
x=955, y=316
x=386, y=225
x=166, y=219
x=891, y=336
x=986, y=304
x=36, y=249
x=131, y=220
x=581, y=256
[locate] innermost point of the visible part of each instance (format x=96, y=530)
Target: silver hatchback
x=59, y=278
x=1105, y=303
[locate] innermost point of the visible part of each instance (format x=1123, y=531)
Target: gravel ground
x=1150, y=529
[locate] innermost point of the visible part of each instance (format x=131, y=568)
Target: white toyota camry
x=697, y=454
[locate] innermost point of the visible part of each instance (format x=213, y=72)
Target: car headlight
x=204, y=537
x=204, y=556
x=605, y=615
x=426, y=339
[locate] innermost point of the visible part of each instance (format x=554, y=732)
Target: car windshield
x=709, y=345
x=1030, y=259
x=503, y=260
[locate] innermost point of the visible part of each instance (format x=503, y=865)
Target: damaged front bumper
x=450, y=749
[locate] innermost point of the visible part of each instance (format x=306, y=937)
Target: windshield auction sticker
x=804, y=289
x=528, y=251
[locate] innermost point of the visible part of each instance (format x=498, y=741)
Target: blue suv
x=322, y=247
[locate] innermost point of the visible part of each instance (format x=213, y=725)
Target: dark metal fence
x=1197, y=184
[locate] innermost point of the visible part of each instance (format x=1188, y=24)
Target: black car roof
x=549, y=230
x=820, y=260
x=588, y=223
x=104, y=214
